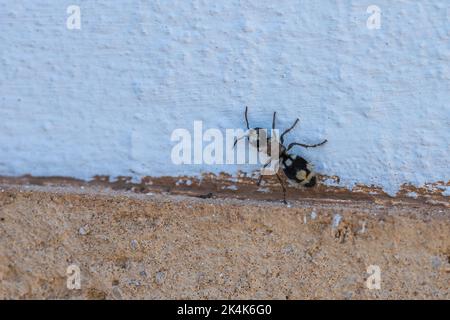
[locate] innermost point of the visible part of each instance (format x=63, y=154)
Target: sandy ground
x=158, y=245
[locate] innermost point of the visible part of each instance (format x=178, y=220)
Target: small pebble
x=143, y=273
x=160, y=276
x=436, y=262
x=336, y=220
x=133, y=282
x=288, y=249
x=134, y=244
x=84, y=230
x=116, y=293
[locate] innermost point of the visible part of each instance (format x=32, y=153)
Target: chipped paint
x=211, y=185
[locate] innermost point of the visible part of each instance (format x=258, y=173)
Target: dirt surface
x=157, y=245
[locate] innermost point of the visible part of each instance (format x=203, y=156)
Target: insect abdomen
x=299, y=170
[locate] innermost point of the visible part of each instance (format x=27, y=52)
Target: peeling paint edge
x=244, y=186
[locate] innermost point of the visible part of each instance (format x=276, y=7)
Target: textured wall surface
x=105, y=99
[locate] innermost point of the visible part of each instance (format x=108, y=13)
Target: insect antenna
x=306, y=145
x=287, y=130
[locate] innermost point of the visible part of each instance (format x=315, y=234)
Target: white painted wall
x=105, y=99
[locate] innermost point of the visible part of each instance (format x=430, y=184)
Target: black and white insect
x=295, y=168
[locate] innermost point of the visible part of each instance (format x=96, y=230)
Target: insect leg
x=274, y=135
x=287, y=130
x=284, y=188
x=260, y=175
x=306, y=145
x=259, y=180
x=236, y=141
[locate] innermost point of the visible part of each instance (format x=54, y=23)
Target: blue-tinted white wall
x=105, y=99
